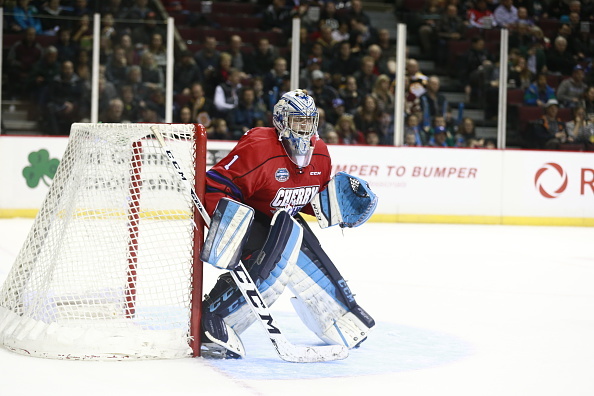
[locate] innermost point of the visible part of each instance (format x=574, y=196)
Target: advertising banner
x=548, y=183
x=413, y=184
x=28, y=166
x=426, y=181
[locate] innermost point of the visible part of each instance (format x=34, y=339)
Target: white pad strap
x=220, y=349
x=347, y=330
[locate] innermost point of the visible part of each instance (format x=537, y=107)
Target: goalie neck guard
x=295, y=118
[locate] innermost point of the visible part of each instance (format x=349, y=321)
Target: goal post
x=110, y=269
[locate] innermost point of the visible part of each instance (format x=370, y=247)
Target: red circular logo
x=562, y=180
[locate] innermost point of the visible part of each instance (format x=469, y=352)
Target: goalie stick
x=285, y=349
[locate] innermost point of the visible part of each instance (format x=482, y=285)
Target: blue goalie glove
x=347, y=201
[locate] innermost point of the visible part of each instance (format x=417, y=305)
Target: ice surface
x=460, y=310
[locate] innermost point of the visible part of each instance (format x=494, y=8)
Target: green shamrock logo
x=41, y=166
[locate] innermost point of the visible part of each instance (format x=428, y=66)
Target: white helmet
x=295, y=118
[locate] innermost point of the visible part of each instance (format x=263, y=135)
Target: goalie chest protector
x=259, y=173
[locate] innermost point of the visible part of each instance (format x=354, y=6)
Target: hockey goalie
x=255, y=196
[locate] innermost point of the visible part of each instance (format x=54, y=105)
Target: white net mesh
x=105, y=271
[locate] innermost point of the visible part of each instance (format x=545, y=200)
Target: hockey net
x=110, y=268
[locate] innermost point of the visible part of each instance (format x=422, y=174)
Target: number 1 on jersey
x=235, y=157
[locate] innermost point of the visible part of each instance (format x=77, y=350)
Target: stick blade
x=309, y=354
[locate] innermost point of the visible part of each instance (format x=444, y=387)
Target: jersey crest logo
x=281, y=175
x=294, y=197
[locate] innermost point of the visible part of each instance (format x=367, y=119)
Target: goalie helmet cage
x=110, y=268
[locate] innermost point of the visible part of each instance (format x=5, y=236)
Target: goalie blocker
x=291, y=256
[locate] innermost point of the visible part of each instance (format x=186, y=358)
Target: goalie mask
x=295, y=118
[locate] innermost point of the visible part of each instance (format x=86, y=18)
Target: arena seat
x=182, y=99
x=252, y=37
x=198, y=34
x=455, y=49
x=413, y=5
x=526, y=114
x=565, y=113
x=235, y=8
x=9, y=39
x=237, y=21
x=493, y=35
x=572, y=147
x=515, y=96
x=193, y=5
x=549, y=26
x=554, y=80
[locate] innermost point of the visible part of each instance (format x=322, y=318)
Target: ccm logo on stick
x=176, y=165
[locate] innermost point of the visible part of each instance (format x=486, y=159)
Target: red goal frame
x=197, y=265
x=198, y=237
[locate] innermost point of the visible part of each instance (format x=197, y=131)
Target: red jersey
x=259, y=173
x=476, y=17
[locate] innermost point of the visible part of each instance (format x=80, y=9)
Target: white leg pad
x=274, y=285
x=348, y=330
x=324, y=314
x=243, y=318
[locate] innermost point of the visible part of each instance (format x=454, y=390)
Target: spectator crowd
x=230, y=85
x=551, y=45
